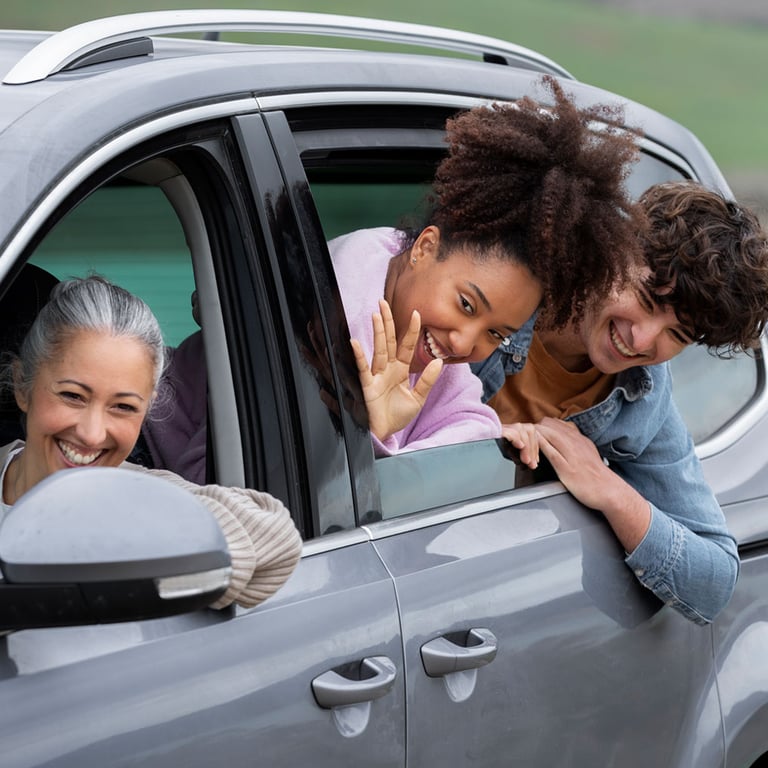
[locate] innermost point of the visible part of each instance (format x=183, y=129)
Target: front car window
x=161, y=225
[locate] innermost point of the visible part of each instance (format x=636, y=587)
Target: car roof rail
x=91, y=41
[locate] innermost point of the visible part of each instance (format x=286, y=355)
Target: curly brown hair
x=709, y=260
x=544, y=185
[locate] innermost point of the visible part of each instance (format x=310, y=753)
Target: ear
x=20, y=395
x=426, y=245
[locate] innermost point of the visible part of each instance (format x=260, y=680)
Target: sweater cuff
x=241, y=554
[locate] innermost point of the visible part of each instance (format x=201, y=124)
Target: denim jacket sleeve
x=687, y=557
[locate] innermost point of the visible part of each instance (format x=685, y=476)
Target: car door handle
x=454, y=653
x=371, y=679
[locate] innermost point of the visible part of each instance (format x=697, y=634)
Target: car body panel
x=574, y=630
x=173, y=692
x=740, y=637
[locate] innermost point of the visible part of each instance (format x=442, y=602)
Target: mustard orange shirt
x=545, y=388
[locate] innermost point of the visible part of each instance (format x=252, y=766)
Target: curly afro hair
x=544, y=185
x=709, y=260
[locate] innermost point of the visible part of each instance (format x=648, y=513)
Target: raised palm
x=391, y=401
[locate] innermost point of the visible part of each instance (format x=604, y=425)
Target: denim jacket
x=687, y=558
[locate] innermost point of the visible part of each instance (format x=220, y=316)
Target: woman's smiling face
x=467, y=306
x=86, y=405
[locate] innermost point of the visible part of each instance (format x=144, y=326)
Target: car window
x=365, y=177
x=650, y=170
x=159, y=228
x=345, y=207
x=435, y=478
x=710, y=391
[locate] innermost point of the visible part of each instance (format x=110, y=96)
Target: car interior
x=18, y=309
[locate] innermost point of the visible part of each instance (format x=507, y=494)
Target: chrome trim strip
x=334, y=98
x=426, y=99
x=62, y=48
x=192, y=584
x=744, y=421
x=105, y=153
x=226, y=109
x=514, y=498
x=397, y=525
x=333, y=541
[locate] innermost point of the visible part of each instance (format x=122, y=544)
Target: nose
x=646, y=332
x=468, y=344
x=461, y=342
x=91, y=428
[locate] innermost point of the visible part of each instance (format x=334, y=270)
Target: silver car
x=441, y=614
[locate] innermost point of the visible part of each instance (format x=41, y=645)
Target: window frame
x=234, y=300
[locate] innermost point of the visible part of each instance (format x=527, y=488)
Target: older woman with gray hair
x=85, y=378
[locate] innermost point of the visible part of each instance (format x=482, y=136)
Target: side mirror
x=99, y=545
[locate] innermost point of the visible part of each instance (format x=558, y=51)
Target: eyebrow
x=89, y=390
x=484, y=299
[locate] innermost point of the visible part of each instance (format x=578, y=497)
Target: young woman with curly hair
x=529, y=211
x=599, y=390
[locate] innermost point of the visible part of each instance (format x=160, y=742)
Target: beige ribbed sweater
x=263, y=542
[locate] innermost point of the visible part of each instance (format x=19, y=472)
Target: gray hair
x=87, y=304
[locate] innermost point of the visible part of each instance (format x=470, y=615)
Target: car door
x=215, y=687
x=312, y=676
x=589, y=668
x=526, y=639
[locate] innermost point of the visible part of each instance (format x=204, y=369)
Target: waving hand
x=392, y=403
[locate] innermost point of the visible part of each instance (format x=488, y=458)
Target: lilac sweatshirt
x=454, y=411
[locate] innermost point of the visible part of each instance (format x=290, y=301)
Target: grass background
x=708, y=75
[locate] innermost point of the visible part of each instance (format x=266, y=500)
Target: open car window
x=159, y=224
x=362, y=176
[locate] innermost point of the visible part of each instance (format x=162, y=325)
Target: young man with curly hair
x=595, y=397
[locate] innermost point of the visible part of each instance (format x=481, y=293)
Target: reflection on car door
x=213, y=689
x=584, y=654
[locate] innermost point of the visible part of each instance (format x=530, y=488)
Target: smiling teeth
x=619, y=344
x=78, y=458
x=433, y=348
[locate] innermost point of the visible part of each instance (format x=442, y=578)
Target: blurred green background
x=707, y=74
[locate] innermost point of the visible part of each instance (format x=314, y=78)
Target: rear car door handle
x=367, y=680
x=458, y=652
